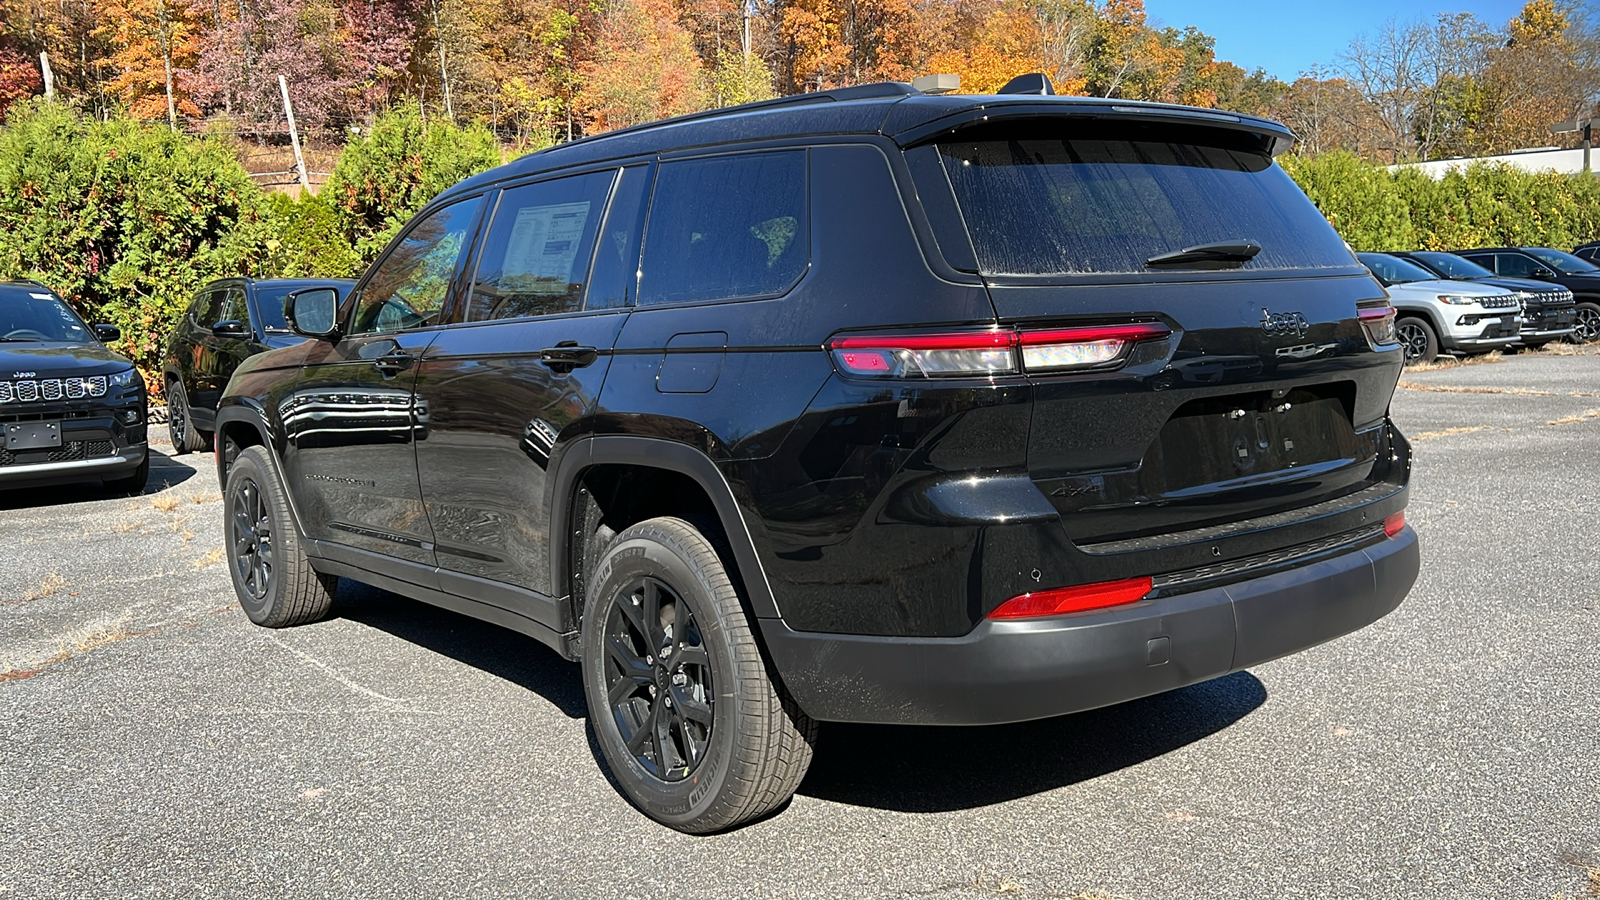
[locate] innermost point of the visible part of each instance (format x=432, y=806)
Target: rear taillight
x=996, y=352
x=1078, y=598
x=1378, y=323
x=1393, y=524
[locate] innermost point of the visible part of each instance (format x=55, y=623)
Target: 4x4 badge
x=1289, y=323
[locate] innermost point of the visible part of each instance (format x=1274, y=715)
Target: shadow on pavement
x=165, y=472
x=927, y=769
x=501, y=652
x=894, y=767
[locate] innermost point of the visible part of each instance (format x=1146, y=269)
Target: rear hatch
x=1267, y=396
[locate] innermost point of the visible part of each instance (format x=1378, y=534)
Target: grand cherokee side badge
x=1289, y=323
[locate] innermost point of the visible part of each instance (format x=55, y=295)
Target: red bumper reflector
x=1393, y=524
x=1078, y=598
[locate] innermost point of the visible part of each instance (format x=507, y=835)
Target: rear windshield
x=1040, y=202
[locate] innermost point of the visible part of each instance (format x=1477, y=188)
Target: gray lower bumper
x=122, y=464
x=1010, y=671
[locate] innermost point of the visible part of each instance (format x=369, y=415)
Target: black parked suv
x=1579, y=276
x=865, y=406
x=228, y=321
x=1549, y=311
x=70, y=409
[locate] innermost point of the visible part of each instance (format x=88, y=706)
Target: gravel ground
x=165, y=747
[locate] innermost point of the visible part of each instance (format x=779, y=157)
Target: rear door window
x=1064, y=198
x=726, y=227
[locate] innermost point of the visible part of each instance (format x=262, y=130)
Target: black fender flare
x=234, y=411
x=586, y=452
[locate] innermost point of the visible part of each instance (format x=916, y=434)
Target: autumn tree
x=646, y=68
x=154, y=47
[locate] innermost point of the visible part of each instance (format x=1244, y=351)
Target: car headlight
x=125, y=379
x=1457, y=299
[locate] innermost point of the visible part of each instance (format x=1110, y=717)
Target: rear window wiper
x=1219, y=255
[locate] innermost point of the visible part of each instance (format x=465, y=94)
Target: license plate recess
x=33, y=435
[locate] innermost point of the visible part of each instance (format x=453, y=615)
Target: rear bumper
x=1009, y=671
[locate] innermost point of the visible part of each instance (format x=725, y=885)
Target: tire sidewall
x=676, y=803
x=178, y=401
x=262, y=611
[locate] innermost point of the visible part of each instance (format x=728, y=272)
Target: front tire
x=696, y=734
x=1418, y=339
x=1587, y=323
x=132, y=484
x=273, y=579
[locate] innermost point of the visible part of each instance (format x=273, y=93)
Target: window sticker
x=543, y=246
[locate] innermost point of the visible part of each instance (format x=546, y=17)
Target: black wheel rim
x=658, y=679
x=178, y=417
x=1414, y=339
x=251, y=531
x=1588, y=325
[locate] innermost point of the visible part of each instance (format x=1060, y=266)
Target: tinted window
x=1039, y=203
x=1565, y=263
x=409, y=287
x=1452, y=266
x=1394, y=270
x=616, y=262
x=28, y=316
x=232, y=307
x=1516, y=265
x=535, y=258
x=205, y=308
x=732, y=226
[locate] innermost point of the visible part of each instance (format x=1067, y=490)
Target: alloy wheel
x=252, y=539
x=1588, y=325
x=1414, y=339
x=658, y=678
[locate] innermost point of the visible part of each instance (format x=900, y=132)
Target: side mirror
x=107, y=333
x=1543, y=274
x=313, y=312
x=232, y=328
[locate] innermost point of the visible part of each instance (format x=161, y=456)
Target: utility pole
x=294, y=136
x=49, y=76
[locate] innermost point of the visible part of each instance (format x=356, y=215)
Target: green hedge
x=126, y=220
x=1483, y=205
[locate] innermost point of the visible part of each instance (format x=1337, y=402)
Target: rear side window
x=535, y=260
x=726, y=227
x=1062, y=198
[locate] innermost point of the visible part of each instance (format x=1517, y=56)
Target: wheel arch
x=240, y=425
x=687, y=465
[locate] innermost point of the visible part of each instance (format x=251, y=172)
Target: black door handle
x=393, y=363
x=566, y=356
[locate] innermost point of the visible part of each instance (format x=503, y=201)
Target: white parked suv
x=1436, y=315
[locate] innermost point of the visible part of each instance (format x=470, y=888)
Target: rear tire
x=693, y=729
x=1418, y=338
x=273, y=579
x=180, y=422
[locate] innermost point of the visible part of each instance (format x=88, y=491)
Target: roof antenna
x=1031, y=83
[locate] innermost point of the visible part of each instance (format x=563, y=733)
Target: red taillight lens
x=988, y=352
x=1078, y=598
x=1393, y=524
x=1378, y=323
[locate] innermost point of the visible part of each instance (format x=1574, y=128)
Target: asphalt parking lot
x=158, y=744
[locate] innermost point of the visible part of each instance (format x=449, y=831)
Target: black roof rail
x=33, y=281
x=875, y=91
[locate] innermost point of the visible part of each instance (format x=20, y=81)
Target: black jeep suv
x=70, y=409
x=228, y=321
x=866, y=406
x=1579, y=276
